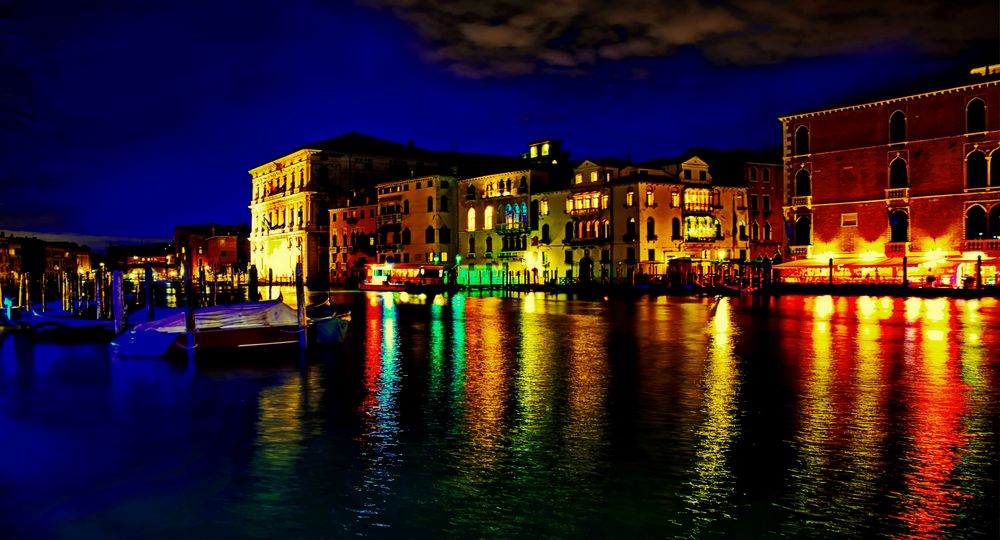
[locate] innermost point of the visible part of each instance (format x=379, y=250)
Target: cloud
x=497, y=38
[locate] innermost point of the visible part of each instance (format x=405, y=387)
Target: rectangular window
x=569, y=257
x=849, y=219
x=753, y=203
x=593, y=176
x=649, y=198
x=767, y=203
x=604, y=202
x=630, y=198
x=675, y=200
x=630, y=255
x=687, y=174
x=333, y=217
x=430, y=183
x=651, y=254
x=545, y=207
x=578, y=178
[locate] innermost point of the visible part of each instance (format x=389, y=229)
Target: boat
x=59, y=325
x=328, y=322
x=404, y=277
x=227, y=327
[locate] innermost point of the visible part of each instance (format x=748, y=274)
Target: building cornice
x=872, y=104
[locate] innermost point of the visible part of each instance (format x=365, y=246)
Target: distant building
x=352, y=237
x=221, y=250
x=916, y=176
x=133, y=260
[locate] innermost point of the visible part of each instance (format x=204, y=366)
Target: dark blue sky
x=131, y=117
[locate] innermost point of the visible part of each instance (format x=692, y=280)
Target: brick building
x=915, y=176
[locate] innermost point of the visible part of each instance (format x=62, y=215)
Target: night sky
x=126, y=118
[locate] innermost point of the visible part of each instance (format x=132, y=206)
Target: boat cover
x=228, y=316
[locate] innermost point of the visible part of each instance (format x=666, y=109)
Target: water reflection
x=713, y=483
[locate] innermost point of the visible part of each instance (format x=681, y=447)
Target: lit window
x=675, y=199
x=471, y=223
x=649, y=198
x=604, y=202
x=849, y=220
x=593, y=176
x=545, y=149
x=488, y=218
x=545, y=207
x=534, y=151
x=569, y=205
x=579, y=178
x=630, y=198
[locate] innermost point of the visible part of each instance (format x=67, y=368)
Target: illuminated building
x=132, y=260
x=916, y=176
x=35, y=256
x=586, y=239
x=415, y=221
x=352, y=238
x=496, y=218
x=765, y=197
x=292, y=195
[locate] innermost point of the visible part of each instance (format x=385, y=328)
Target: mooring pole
x=906, y=282
x=44, y=274
x=300, y=299
x=117, y=301
x=831, y=271
x=150, y=294
x=270, y=280
x=189, y=297
x=252, y=292
x=979, y=271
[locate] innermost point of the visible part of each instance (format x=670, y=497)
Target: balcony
x=986, y=244
x=583, y=212
x=805, y=200
x=515, y=227
x=698, y=208
x=390, y=247
x=387, y=219
x=898, y=194
x=509, y=255
x=801, y=251
x=591, y=240
x=897, y=249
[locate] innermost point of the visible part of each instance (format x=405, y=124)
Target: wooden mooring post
x=150, y=294
x=300, y=299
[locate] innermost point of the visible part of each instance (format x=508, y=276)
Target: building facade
x=352, y=238
x=765, y=201
x=415, y=221
x=916, y=176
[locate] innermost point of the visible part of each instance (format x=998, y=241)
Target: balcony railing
x=805, y=200
x=513, y=227
x=511, y=254
x=390, y=247
x=986, y=244
x=897, y=249
x=386, y=219
x=698, y=208
x=898, y=193
x=576, y=212
x=801, y=251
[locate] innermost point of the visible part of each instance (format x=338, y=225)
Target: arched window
x=470, y=220
x=406, y=236
x=767, y=231
x=506, y=190
x=569, y=232
x=488, y=218
x=753, y=174
x=406, y=206
x=470, y=193
x=899, y=226
x=995, y=168
x=650, y=228
x=429, y=235
x=803, y=187
x=994, y=228
x=444, y=204
x=754, y=232
x=975, y=170
x=444, y=235
x=803, y=231
x=743, y=231
x=430, y=204
x=801, y=140
x=718, y=229
x=898, y=177
x=524, y=212
x=897, y=127
x=767, y=175
x=975, y=223
x=472, y=244
x=675, y=228
x=545, y=233
x=630, y=228
x=975, y=116
x=489, y=244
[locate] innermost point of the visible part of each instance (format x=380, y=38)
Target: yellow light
x=870, y=256
x=935, y=335
x=824, y=307
x=866, y=307
x=825, y=256
x=722, y=254
x=913, y=306
x=935, y=255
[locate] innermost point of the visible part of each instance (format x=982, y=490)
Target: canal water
x=529, y=416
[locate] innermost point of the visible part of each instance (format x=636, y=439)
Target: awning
x=804, y=263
